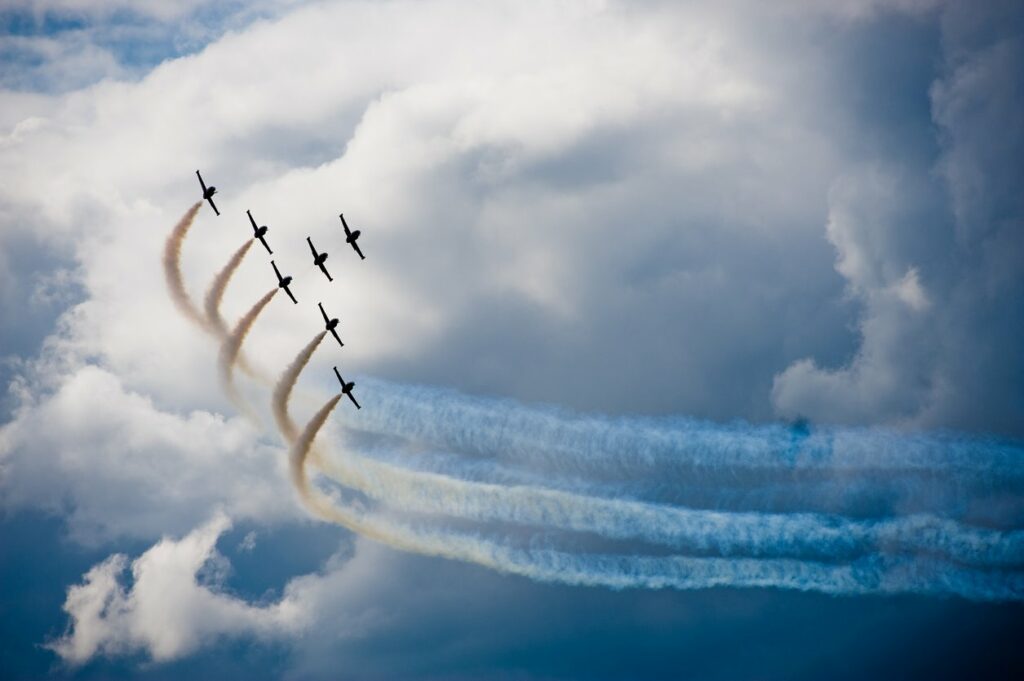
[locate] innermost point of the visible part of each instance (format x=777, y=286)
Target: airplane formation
x=319, y=258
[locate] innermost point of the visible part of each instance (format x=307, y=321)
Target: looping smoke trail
x=233, y=344
x=211, y=304
x=871, y=575
x=283, y=389
x=172, y=268
x=215, y=294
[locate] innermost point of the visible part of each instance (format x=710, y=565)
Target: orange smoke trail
x=283, y=389
x=233, y=344
x=172, y=267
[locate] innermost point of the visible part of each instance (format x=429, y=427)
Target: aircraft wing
x=323, y=269
x=353, y=398
x=254, y=227
x=339, y=376
x=264, y=242
x=343, y=223
x=327, y=319
x=289, y=292
x=337, y=337
x=310, y=242
x=213, y=205
x=274, y=264
x=201, y=183
x=356, y=246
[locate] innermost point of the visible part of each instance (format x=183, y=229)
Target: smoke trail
x=872, y=575
x=283, y=389
x=219, y=286
x=233, y=344
x=759, y=534
x=172, y=267
x=546, y=436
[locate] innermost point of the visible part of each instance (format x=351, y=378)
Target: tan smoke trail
x=218, y=286
x=172, y=268
x=214, y=296
x=233, y=344
x=283, y=389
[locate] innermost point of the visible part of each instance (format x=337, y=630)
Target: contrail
x=233, y=344
x=283, y=389
x=867, y=576
x=219, y=286
x=758, y=534
x=808, y=535
x=548, y=436
x=172, y=267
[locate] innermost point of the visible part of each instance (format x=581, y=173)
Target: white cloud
x=166, y=611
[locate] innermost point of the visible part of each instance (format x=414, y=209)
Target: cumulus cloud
x=937, y=338
x=165, y=611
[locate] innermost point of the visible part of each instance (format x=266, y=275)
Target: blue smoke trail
x=506, y=430
x=872, y=575
x=805, y=535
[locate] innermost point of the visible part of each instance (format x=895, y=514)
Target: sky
x=687, y=340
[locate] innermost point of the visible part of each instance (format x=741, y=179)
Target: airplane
x=346, y=388
x=282, y=282
x=318, y=259
x=351, y=236
x=208, y=193
x=259, y=232
x=331, y=324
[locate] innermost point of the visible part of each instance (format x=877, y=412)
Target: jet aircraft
x=208, y=192
x=259, y=232
x=351, y=236
x=282, y=282
x=331, y=324
x=346, y=388
x=318, y=259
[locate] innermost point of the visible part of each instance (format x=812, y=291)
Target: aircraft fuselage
x=284, y=282
x=333, y=324
x=319, y=260
x=210, y=191
x=261, y=231
x=353, y=236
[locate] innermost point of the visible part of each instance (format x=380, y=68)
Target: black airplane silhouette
x=208, y=193
x=331, y=324
x=259, y=232
x=351, y=236
x=318, y=259
x=282, y=282
x=346, y=388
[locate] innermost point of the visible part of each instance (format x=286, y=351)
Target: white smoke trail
x=872, y=575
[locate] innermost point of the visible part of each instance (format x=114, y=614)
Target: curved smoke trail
x=757, y=534
x=233, y=344
x=870, y=575
x=283, y=389
x=211, y=304
x=172, y=267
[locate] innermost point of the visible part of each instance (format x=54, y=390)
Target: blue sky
x=655, y=294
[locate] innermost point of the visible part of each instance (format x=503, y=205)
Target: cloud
x=937, y=337
x=166, y=611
